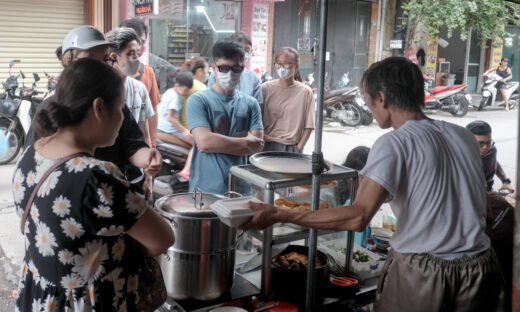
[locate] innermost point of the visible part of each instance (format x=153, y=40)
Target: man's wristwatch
x=506, y=181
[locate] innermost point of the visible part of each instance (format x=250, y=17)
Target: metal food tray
x=285, y=162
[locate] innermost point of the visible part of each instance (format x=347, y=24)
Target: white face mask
x=228, y=81
x=131, y=67
x=247, y=56
x=284, y=73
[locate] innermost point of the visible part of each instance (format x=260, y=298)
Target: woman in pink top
x=288, y=108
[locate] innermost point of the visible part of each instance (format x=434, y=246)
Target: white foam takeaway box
x=234, y=211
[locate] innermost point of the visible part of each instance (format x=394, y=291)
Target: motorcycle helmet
x=83, y=38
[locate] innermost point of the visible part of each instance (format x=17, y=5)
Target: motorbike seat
x=440, y=89
x=333, y=93
x=511, y=84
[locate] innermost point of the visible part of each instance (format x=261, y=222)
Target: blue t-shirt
x=249, y=84
x=230, y=115
x=169, y=100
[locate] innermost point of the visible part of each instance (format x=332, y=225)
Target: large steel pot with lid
x=200, y=265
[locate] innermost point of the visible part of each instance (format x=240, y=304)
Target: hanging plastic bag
x=4, y=144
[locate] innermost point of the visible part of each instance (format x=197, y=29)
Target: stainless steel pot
x=200, y=265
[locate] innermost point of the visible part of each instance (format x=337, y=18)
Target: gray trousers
x=279, y=147
x=422, y=282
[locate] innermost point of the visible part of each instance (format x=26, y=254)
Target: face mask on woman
x=228, y=81
x=284, y=73
x=131, y=67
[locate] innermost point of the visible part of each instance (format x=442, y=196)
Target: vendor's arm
x=147, y=158
x=210, y=142
x=369, y=198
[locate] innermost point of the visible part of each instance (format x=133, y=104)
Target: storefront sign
x=259, y=38
x=496, y=56
x=143, y=7
x=431, y=57
x=171, y=9
x=222, y=15
x=396, y=44
x=411, y=56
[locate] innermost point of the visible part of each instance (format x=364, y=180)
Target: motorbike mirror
x=22, y=74
x=36, y=77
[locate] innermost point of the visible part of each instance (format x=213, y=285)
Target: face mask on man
x=284, y=73
x=228, y=81
x=247, y=56
x=131, y=67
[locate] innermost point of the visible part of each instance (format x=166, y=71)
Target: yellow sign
x=496, y=56
x=431, y=57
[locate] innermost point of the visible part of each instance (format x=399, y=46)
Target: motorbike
x=174, y=158
x=452, y=99
x=17, y=108
x=491, y=96
x=346, y=105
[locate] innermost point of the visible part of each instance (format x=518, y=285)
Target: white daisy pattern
x=31, y=178
x=113, y=230
x=34, y=212
x=89, y=263
x=118, y=249
x=76, y=165
x=51, y=304
x=61, y=206
x=132, y=283
x=18, y=186
x=45, y=240
x=72, y=281
x=49, y=184
x=71, y=228
x=37, y=305
x=135, y=203
x=105, y=194
x=65, y=256
x=103, y=211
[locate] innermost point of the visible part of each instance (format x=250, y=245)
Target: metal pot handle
x=233, y=193
x=195, y=191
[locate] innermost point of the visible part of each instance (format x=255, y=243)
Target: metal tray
x=285, y=162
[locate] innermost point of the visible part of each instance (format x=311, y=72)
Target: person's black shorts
x=501, y=85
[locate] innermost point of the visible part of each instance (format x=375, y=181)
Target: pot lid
x=196, y=204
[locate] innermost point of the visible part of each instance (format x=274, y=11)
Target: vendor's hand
x=154, y=162
x=254, y=144
x=264, y=216
x=507, y=187
x=148, y=187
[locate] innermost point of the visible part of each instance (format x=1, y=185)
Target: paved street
x=337, y=142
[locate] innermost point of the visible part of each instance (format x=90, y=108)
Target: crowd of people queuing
x=91, y=213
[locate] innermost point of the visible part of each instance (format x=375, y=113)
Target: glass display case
x=293, y=191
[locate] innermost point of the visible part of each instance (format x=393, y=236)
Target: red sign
x=143, y=7
x=410, y=55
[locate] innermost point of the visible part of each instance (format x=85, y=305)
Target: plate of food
x=297, y=204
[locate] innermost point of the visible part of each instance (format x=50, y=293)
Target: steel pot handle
x=195, y=191
x=233, y=193
x=175, y=225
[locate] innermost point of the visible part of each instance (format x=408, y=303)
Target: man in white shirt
x=440, y=257
x=123, y=51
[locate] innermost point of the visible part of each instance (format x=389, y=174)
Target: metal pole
x=317, y=155
x=516, y=244
x=267, y=247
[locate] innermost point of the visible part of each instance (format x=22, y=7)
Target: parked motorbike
x=346, y=105
x=449, y=99
x=174, y=158
x=491, y=96
x=17, y=108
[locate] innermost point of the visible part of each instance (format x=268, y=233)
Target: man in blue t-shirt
x=249, y=82
x=226, y=124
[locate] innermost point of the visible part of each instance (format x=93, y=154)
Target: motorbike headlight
x=486, y=93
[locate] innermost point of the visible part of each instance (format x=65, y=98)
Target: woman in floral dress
x=87, y=228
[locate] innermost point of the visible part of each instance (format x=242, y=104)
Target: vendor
x=430, y=171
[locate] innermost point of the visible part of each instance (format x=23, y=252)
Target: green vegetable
x=360, y=256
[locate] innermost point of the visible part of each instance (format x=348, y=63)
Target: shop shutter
x=31, y=30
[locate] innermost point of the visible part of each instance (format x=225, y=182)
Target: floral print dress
x=77, y=255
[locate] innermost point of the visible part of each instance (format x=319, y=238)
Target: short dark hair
x=79, y=85
x=184, y=79
x=120, y=37
x=400, y=80
x=228, y=49
x=479, y=127
x=195, y=63
x=241, y=36
x=357, y=158
x=136, y=24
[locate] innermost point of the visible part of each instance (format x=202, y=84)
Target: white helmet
x=83, y=38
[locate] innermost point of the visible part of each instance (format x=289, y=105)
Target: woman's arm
x=510, y=75
x=210, y=142
x=153, y=233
